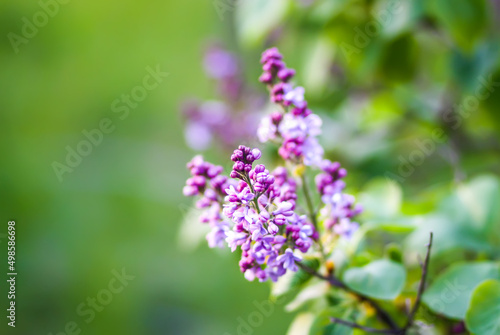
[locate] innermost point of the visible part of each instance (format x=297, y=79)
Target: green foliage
x=483, y=314
x=465, y=20
x=381, y=279
x=256, y=18
x=451, y=292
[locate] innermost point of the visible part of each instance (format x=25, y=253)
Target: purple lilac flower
x=256, y=209
x=288, y=260
x=298, y=127
x=207, y=182
x=219, y=63
x=230, y=119
x=264, y=229
x=339, y=207
x=346, y=228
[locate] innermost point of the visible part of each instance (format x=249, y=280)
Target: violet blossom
x=257, y=209
x=296, y=128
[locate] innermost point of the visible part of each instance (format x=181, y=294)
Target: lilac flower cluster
x=339, y=207
x=266, y=226
x=207, y=182
x=227, y=119
x=294, y=126
x=256, y=210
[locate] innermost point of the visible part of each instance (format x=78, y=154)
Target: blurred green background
x=121, y=207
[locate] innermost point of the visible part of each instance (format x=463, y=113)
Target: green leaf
x=465, y=20
x=323, y=325
x=393, y=252
x=449, y=234
x=450, y=293
x=483, y=314
x=381, y=199
x=256, y=18
x=382, y=279
x=399, y=59
x=481, y=197
x=301, y=324
x=309, y=293
x=467, y=219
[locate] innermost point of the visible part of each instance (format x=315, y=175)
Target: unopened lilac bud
x=279, y=88
x=260, y=168
x=248, y=167
x=271, y=53
x=342, y=173
x=286, y=74
x=276, y=117
x=256, y=153
x=302, y=245
x=239, y=166
x=259, y=187
x=270, y=179
x=250, y=158
x=277, y=98
x=261, y=177
x=298, y=111
x=261, y=274
x=198, y=181
x=234, y=174
x=190, y=191
x=218, y=181
x=273, y=64
x=280, y=220
x=203, y=203
x=237, y=155
x=244, y=150
x=210, y=194
x=330, y=167
x=213, y=171
x=266, y=78
x=272, y=228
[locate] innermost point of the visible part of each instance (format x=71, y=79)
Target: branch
x=421, y=286
x=366, y=329
x=334, y=281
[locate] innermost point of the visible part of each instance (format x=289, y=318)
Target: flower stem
x=310, y=206
x=312, y=212
x=246, y=179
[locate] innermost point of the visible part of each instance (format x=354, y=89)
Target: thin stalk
x=247, y=180
x=421, y=286
x=312, y=213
